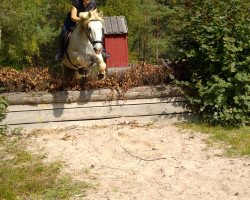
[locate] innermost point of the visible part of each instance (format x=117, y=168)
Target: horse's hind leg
x=68, y=73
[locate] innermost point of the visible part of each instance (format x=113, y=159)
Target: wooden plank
x=171, y=118
x=73, y=114
x=114, y=25
x=122, y=25
x=107, y=25
x=146, y=92
x=18, y=108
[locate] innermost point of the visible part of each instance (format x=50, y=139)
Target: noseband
x=93, y=42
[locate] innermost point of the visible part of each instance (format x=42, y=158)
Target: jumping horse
x=85, y=45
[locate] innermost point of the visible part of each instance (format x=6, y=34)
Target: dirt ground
x=131, y=161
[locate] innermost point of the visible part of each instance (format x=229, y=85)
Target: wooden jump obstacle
x=94, y=107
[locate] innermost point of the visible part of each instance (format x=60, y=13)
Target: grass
x=235, y=141
x=26, y=176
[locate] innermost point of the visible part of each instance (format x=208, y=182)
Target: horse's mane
x=90, y=16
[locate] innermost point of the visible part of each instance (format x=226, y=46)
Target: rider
x=71, y=22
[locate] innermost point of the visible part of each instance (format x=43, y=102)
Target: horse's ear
x=84, y=15
x=94, y=11
x=100, y=14
x=89, y=14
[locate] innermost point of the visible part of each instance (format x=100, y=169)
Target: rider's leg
x=62, y=44
x=66, y=31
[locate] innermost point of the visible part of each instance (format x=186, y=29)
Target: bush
x=215, y=39
x=3, y=107
x=43, y=79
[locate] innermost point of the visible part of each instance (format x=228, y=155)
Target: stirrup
x=58, y=57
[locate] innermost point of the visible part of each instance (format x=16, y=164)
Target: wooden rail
x=47, y=110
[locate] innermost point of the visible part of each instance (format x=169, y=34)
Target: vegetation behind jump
x=210, y=37
x=215, y=39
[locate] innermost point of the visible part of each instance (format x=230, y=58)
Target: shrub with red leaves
x=41, y=79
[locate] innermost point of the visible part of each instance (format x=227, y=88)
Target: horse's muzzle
x=98, y=51
x=97, y=46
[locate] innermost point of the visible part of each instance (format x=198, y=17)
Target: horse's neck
x=80, y=36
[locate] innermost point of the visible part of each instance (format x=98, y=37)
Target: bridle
x=93, y=42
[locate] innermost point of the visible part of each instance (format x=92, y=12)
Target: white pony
x=85, y=45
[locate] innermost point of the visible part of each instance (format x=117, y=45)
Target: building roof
x=115, y=25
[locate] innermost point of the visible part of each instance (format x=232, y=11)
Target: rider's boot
x=62, y=44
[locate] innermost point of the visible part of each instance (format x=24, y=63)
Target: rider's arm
x=74, y=16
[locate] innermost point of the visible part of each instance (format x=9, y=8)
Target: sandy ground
x=145, y=162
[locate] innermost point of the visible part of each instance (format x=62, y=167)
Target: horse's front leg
x=101, y=64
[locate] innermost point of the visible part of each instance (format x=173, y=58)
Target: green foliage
x=26, y=27
x=3, y=106
x=30, y=29
x=215, y=38
x=150, y=27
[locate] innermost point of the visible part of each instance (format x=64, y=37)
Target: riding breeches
x=67, y=29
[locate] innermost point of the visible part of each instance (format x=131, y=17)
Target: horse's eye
x=89, y=29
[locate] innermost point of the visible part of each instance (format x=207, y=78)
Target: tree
x=26, y=26
x=215, y=39
x=148, y=23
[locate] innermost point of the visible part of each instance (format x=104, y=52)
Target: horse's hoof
x=101, y=76
x=83, y=73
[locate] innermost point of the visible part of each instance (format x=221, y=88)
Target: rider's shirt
x=78, y=4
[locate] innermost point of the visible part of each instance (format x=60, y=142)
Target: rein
x=88, y=36
x=78, y=66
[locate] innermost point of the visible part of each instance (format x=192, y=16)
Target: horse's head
x=92, y=24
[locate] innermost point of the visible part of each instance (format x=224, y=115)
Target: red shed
x=116, y=41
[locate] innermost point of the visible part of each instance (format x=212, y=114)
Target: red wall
x=117, y=46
